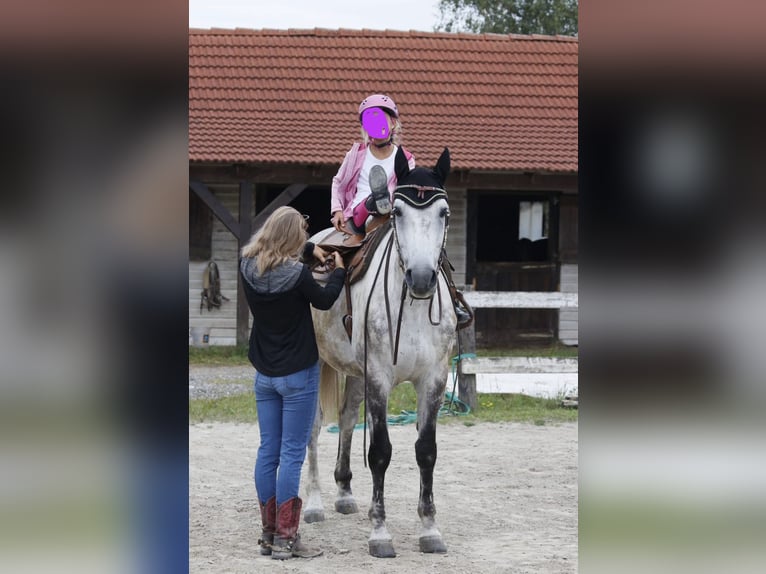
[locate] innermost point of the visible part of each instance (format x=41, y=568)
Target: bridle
x=421, y=203
x=438, y=193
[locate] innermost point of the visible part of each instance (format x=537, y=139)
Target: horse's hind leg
x=429, y=401
x=349, y=414
x=313, y=510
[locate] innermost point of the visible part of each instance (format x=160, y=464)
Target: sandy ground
x=505, y=494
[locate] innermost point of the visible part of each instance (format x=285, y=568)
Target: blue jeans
x=286, y=408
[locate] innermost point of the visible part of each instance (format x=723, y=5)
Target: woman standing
x=280, y=290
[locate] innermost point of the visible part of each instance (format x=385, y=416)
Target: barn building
x=273, y=112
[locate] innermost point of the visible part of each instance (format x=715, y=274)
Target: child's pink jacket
x=344, y=182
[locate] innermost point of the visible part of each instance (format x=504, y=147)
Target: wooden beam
x=499, y=365
x=511, y=182
x=547, y=385
x=521, y=299
x=289, y=193
x=263, y=173
x=245, y=227
x=467, y=381
x=218, y=208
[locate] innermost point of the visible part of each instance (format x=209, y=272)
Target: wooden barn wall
x=221, y=321
x=456, y=239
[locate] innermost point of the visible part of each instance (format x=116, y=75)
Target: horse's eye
x=396, y=212
x=444, y=212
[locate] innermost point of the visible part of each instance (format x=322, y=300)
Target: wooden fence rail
x=527, y=375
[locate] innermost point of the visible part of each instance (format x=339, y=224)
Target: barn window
x=200, y=229
x=526, y=225
x=512, y=247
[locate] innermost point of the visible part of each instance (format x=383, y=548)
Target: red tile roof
x=499, y=102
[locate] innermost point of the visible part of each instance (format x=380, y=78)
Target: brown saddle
x=357, y=252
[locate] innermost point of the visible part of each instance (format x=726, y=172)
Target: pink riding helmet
x=378, y=101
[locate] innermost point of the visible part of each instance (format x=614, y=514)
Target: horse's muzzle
x=421, y=281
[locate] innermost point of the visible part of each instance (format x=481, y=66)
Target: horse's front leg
x=313, y=511
x=430, y=396
x=378, y=458
x=349, y=414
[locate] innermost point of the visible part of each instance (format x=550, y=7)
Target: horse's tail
x=329, y=392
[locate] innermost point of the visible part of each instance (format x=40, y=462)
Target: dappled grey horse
x=404, y=329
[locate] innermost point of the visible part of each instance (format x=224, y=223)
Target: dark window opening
x=200, y=229
x=514, y=249
x=313, y=201
x=513, y=229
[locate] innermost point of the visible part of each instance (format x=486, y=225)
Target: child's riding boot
x=380, y=199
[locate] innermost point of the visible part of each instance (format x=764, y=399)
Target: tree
x=549, y=17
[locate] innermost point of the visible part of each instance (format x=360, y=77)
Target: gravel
x=206, y=382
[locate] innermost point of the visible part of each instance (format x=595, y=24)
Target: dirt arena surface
x=505, y=494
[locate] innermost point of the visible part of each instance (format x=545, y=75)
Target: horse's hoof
x=346, y=506
x=382, y=549
x=432, y=544
x=313, y=515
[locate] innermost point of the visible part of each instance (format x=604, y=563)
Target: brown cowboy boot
x=287, y=541
x=269, y=522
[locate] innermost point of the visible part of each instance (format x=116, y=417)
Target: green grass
x=490, y=408
x=556, y=350
x=231, y=355
x=218, y=355
x=239, y=408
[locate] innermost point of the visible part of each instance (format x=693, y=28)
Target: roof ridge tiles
x=366, y=32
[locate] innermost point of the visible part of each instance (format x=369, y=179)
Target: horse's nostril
x=408, y=276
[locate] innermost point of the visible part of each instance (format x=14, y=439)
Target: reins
x=387, y=256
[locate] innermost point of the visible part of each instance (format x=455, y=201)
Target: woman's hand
x=320, y=253
x=337, y=220
x=338, y=260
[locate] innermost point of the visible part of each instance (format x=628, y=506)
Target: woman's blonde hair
x=396, y=132
x=281, y=239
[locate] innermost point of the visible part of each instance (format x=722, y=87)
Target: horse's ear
x=401, y=165
x=441, y=171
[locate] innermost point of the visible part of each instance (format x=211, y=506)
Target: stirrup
x=354, y=229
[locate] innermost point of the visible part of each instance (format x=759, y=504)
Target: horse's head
x=420, y=216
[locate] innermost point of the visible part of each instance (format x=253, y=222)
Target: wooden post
x=245, y=230
x=467, y=382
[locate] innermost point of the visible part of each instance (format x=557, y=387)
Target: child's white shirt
x=363, y=183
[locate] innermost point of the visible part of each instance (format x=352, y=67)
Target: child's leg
x=380, y=199
x=358, y=218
